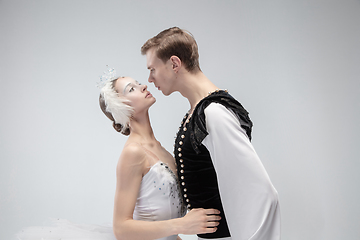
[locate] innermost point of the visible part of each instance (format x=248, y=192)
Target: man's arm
x=249, y=199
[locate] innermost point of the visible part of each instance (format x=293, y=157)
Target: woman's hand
x=200, y=221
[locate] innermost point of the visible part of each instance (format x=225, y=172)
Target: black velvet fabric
x=197, y=176
x=198, y=125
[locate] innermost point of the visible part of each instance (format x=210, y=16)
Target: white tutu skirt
x=66, y=230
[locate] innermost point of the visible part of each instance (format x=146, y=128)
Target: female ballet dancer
x=147, y=201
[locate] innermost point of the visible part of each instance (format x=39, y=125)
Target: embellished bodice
x=158, y=199
x=197, y=175
x=159, y=196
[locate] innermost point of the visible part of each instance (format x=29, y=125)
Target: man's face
x=161, y=74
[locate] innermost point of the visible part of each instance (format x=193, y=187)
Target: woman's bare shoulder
x=133, y=148
x=132, y=155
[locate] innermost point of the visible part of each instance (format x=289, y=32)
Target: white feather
x=116, y=105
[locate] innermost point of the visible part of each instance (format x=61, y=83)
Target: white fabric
x=159, y=199
x=227, y=238
x=66, y=230
x=249, y=199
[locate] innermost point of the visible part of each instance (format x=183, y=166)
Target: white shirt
x=249, y=199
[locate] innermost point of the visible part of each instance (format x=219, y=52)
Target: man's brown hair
x=175, y=42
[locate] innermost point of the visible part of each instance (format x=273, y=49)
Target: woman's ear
x=176, y=63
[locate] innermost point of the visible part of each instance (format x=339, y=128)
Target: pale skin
x=140, y=152
x=172, y=76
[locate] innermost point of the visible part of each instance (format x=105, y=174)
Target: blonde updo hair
x=115, y=107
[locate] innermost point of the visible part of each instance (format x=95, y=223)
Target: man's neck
x=194, y=87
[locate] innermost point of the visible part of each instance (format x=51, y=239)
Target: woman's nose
x=143, y=88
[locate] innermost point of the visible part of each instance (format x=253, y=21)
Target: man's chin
x=166, y=93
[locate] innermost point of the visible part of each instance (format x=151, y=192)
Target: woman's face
x=137, y=94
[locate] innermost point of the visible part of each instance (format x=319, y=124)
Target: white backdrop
x=293, y=64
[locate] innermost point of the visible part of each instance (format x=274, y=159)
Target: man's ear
x=176, y=63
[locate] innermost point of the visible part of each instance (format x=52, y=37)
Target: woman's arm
x=130, y=170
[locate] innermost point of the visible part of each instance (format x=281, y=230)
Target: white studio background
x=294, y=65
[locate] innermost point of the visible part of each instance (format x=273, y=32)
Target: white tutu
x=66, y=230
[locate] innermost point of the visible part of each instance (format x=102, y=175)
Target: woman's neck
x=141, y=130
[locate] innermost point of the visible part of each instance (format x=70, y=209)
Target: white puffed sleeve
x=249, y=199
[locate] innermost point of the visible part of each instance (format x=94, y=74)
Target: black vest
x=197, y=176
